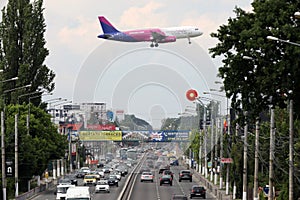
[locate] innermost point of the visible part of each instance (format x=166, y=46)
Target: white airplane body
x=153, y=35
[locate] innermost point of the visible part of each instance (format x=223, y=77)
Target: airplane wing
x=157, y=36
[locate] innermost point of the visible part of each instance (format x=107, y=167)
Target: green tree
x=272, y=74
x=258, y=73
x=37, y=148
x=22, y=49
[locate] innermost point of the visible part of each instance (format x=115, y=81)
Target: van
x=61, y=191
x=78, y=193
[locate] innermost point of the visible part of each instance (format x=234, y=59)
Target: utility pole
x=216, y=150
x=245, y=157
x=272, y=150
x=3, y=156
x=255, y=189
x=291, y=151
x=205, y=144
x=16, y=157
x=211, y=147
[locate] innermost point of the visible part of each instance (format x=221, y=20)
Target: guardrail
x=129, y=184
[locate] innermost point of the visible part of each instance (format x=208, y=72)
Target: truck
x=78, y=193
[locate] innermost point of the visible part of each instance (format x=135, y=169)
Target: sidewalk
x=214, y=189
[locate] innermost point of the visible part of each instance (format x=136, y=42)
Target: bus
x=132, y=154
x=123, y=153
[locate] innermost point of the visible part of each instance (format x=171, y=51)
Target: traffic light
x=201, y=124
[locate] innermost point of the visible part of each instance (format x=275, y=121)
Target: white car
x=102, y=186
x=147, y=176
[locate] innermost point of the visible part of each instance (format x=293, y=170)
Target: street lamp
x=3, y=141
x=291, y=125
x=281, y=40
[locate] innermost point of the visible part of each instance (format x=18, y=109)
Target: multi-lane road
x=141, y=190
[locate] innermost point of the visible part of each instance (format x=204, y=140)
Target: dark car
x=179, y=197
x=185, y=175
x=113, y=181
x=72, y=178
x=174, y=163
x=198, y=191
x=80, y=174
x=165, y=179
x=168, y=172
x=162, y=169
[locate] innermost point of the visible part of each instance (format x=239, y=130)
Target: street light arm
x=281, y=40
x=17, y=88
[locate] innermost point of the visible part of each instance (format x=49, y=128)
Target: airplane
x=153, y=35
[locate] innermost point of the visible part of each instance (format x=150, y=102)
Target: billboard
x=169, y=136
x=100, y=135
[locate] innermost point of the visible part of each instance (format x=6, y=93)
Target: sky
x=148, y=82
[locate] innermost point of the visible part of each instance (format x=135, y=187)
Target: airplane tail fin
x=107, y=27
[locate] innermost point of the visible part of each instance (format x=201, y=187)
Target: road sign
x=226, y=160
x=9, y=170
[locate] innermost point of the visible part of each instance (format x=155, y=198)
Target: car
x=162, y=169
x=165, y=179
x=117, y=174
x=144, y=169
x=174, y=162
x=147, y=176
x=89, y=179
x=185, y=175
x=179, y=197
x=113, y=181
x=168, y=172
x=61, y=190
x=198, y=191
x=65, y=181
x=80, y=174
x=102, y=186
x=68, y=179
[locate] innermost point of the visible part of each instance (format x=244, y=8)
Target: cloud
x=81, y=37
x=148, y=15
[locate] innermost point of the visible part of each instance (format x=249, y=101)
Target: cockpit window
x=196, y=29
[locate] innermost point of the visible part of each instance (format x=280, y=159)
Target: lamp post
x=3, y=141
x=291, y=124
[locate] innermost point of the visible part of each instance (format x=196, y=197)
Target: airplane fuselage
x=146, y=35
x=153, y=35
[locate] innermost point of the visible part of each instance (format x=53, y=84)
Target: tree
x=272, y=73
x=22, y=49
x=269, y=76
x=37, y=148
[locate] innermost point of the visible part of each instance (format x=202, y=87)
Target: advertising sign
x=100, y=135
x=169, y=136
x=226, y=160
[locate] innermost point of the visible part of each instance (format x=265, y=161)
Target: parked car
x=198, y=191
x=147, y=176
x=185, y=175
x=102, y=186
x=165, y=179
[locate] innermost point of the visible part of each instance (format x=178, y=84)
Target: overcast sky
x=133, y=77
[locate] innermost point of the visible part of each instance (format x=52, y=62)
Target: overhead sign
x=169, y=136
x=226, y=160
x=100, y=135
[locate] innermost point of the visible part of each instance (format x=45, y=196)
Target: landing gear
x=189, y=40
x=154, y=45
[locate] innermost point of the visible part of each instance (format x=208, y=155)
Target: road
x=142, y=190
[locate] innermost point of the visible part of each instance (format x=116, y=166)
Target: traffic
x=151, y=175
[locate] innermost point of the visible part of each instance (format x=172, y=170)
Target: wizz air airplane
x=153, y=35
